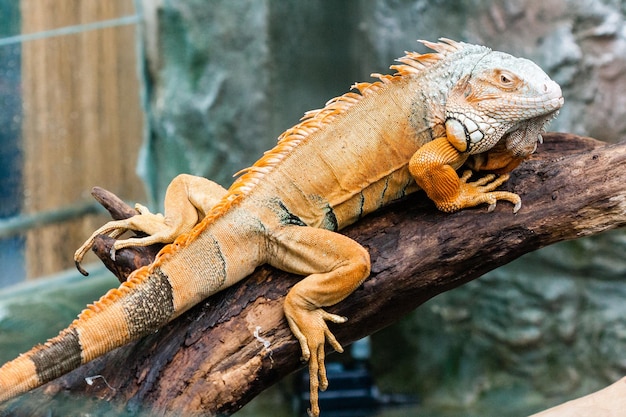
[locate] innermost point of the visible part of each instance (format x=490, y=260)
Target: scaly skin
x=464, y=104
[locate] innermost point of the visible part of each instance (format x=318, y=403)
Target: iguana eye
x=506, y=79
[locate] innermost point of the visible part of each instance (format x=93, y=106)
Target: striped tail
x=138, y=307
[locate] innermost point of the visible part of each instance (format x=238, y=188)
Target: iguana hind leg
x=187, y=200
x=434, y=168
x=335, y=266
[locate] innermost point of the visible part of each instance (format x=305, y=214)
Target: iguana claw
x=481, y=191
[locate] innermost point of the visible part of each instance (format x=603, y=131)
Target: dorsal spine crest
x=314, y=120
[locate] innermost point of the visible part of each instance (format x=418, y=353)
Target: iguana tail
x=138, y=307
x=198, y=264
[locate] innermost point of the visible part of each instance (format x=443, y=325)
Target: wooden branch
x=209, y=361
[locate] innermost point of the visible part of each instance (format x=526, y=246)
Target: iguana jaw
x=522, y=138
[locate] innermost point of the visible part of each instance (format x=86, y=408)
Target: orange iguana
x=464, y=105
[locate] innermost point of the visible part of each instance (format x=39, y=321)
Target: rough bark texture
x=209, y=361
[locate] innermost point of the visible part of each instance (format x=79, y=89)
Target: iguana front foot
x=481, y=191
x=310, y=328
x=434, y=168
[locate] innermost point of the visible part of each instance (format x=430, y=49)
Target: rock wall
x=581, y=44
x=226, y=77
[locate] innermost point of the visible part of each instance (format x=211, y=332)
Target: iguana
x=462, y=105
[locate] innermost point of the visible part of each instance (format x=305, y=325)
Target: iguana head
x=502, y=97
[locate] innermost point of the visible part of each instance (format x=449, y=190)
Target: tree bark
x=209, y=361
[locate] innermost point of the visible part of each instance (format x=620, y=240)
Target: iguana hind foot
x=335, y=266
x=187, y=200
x=311, y=330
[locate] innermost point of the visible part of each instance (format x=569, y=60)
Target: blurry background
x=126, y=94
x=70, y=119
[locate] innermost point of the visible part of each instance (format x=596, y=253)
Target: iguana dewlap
x=462, y=105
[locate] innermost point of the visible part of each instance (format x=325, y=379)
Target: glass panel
x=70, y=119
x=11, y=248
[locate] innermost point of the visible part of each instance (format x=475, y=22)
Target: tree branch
x=208, y=361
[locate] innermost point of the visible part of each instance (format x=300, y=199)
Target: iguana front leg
x=434, y=168
x=335, y=266
x=188, y=199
